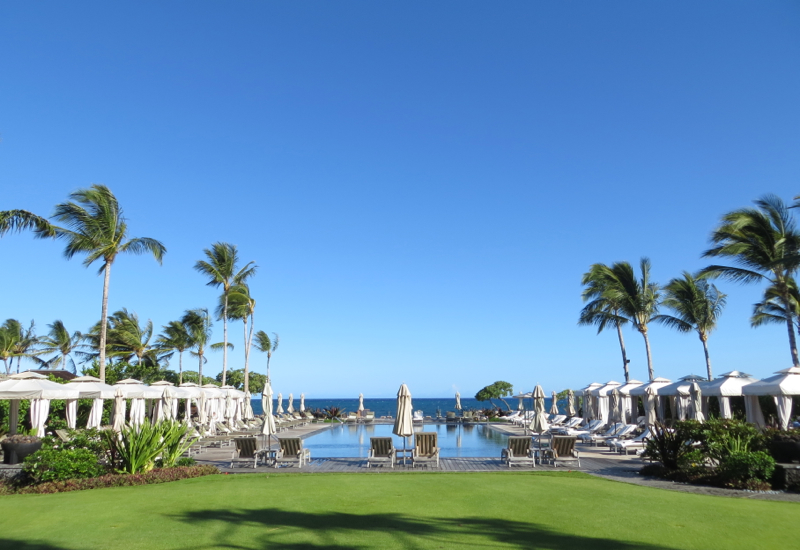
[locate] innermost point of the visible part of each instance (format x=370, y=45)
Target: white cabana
x=600, y=395
x=782, y=386
x=642, y=391
x=189, y=392
x=90, y=387
x=39, y=390
x=724, y=387
x=679, y=394
x=589, y=403
x=629, y=404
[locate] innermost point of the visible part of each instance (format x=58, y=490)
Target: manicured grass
x=438, y=510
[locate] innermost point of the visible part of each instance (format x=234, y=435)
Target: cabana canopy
x=785, y=382
x=29, y=385
x=606, y=389
x=626, y=388
x=90, y=387
x=681, y=387
x=655, y=384
x=729, y=384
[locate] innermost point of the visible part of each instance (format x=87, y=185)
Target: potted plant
x=17, y=447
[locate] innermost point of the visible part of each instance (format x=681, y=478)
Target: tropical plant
x=26, y=344
x=49, y=464
x=697, y=305
x=9, y=334
x=136, y=448
x=177, y=440
x=175, y=337
x=129, y=340
x=765, y=244
x=604, y=308
x=221, y=269
x=265, y=344
x=94, y=225
x=498, y=390
x=637, y=298
x=59, y=341
x=236, y=379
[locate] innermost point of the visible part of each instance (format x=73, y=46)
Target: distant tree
x=26, y=342
x=236, y=379
x=191, y=376
x=498, y=390
x=175, y=338
x=221, y=269
x=265, y=344
x=60, y=342
x=8, y=341
x=697, y=305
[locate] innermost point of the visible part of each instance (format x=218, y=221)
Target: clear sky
x=421, y=184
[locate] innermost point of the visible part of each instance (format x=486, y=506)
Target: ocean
x=388, y=407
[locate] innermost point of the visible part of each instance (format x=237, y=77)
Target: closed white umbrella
x=229, y=411
x=167, y=399
x=696, y=403
x=290, y=408
x=650, y=403
x=279, y=408
x=520, y=404
x=458, y=401
x=403, y=422
x=302, y=402
x=119, y=411
x=95, y=414
x=248, y=407
x=268, y=427
x=554, y=405
x=571, y=409
x=72, y=413
x=613, y=406
x=360, y=402
x=539, y=423
x=39, y=411
x=202, y=417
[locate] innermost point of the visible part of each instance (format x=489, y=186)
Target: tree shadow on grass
x=334, y=530
x=27, y=545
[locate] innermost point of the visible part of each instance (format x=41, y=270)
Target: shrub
x=671, y=446
x=136, y=449
x=61, y=464
x=741, y=467
x=185, y=461
x=176, y=440
x=719, y=438
x=111, y=480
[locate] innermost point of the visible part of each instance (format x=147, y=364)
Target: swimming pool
x=352, y=440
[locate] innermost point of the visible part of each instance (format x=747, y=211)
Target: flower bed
x=162, y=475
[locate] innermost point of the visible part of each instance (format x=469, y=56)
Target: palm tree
x=697, y=305
x=175, y=337
x=637, y=298
x=94, y=225
x=198, y=326
x=127, y=338
x=26, y=342
x=266, y=345
x=8, y=340
x=221, y=269
x=241, y=307
x=21, y=220
x=765, y=244
x=59, y=341
x=603, y=308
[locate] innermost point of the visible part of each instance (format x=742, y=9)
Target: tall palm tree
x=241, y=307
x=59, y=341
x=603, y=308
x=175, y=337
x=222, y=271
x=264, y=344
x=198, y=326
x=637, y=298
x=128, y=339
x=94, y=225
x=765, y=244
x=697, y=305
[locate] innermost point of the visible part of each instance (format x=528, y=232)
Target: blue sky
x=421, y=184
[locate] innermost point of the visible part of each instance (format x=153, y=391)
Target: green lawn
x=431, y=510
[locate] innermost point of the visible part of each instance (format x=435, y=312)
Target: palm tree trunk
x=103, y=316
x=180, y=367
x=200, y=368
x=704, y=339
x=792, y=340
x=246, y=371
x=225, y=338
x=650, y=372
x=6, y=363
x=624, y=353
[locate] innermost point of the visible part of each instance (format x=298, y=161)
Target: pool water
x=352, y=440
